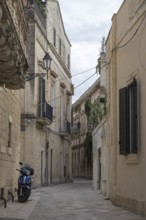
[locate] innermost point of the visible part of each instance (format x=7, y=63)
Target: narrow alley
x=68, y=201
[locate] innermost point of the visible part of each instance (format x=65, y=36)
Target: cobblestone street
x=72, y=201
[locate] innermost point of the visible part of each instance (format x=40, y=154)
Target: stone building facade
x=13, y=68
x=46, y=109
x=127, y=106
x=100, y=135
x=125, y=64
x=81, y=126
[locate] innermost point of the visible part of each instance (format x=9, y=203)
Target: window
x=9, y=134
x=59, y=46
x=68, y=62
x=41, y=96
x=54, y=37
x=61, y=110
x=68, y=111
x=128, y=119
x=53, y=94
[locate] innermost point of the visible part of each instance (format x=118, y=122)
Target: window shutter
x=60, y=46
x=42, y=97
x=123, y=118
x=43, y=90
x=54, y=37
x=135, y=118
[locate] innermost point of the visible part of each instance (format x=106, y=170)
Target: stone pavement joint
x=10, y=219
x=68, y=201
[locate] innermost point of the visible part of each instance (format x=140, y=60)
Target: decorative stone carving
x=15, y=9
x=1, y=13
x=13, y=64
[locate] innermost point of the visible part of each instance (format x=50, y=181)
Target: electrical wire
x=78, y=73
x=65, y=93
x=140, y=47
x=84, y=71
x=71, y=76
x=74, y=88
x=85, y=80
x=118, y=47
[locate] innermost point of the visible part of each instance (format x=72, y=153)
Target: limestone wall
x=10, y=111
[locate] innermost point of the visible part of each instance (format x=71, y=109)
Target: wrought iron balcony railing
x=81, y=129
x=45, y=113
x=65, y=128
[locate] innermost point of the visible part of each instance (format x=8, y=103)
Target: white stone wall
x=55, y=21
x=100, y=158
x=50, y=164
x=10, y=111
x=127, y=175
x=79, y=158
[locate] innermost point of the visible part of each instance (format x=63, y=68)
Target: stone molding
x=15, y=10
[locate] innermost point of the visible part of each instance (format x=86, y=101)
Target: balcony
x=80, y=129
x=45, y=114
x=83, y=129
x=65, y=128
x=74, y=131
x=41, y=12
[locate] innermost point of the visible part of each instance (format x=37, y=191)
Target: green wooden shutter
x=40, y=101
x=40, y=87
x=123, y=121
x=42, y=90
x=135, y=119
x=41, y=97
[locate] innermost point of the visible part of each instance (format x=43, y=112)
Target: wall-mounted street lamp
x=47, y=64
x=47, y=61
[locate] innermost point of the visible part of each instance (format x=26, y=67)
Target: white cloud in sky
x=86, y=22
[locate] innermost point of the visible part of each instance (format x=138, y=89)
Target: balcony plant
x=88, y=149
x=42, y=7
x=95, y=111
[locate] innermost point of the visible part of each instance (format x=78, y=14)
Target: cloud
x=89, y=33
x=84, y=56
x=86, y=22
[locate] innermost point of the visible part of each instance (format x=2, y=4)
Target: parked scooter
x=24, y=182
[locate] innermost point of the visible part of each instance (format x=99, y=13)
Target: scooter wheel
x=24, y=197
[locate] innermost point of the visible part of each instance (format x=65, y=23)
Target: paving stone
x=10, y=219
x=69, y=201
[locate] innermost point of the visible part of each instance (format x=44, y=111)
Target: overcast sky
x=86, y=22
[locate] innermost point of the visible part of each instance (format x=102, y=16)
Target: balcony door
x=62, y=111
x=42, y=167
x=41, y=96
x=47, y=163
